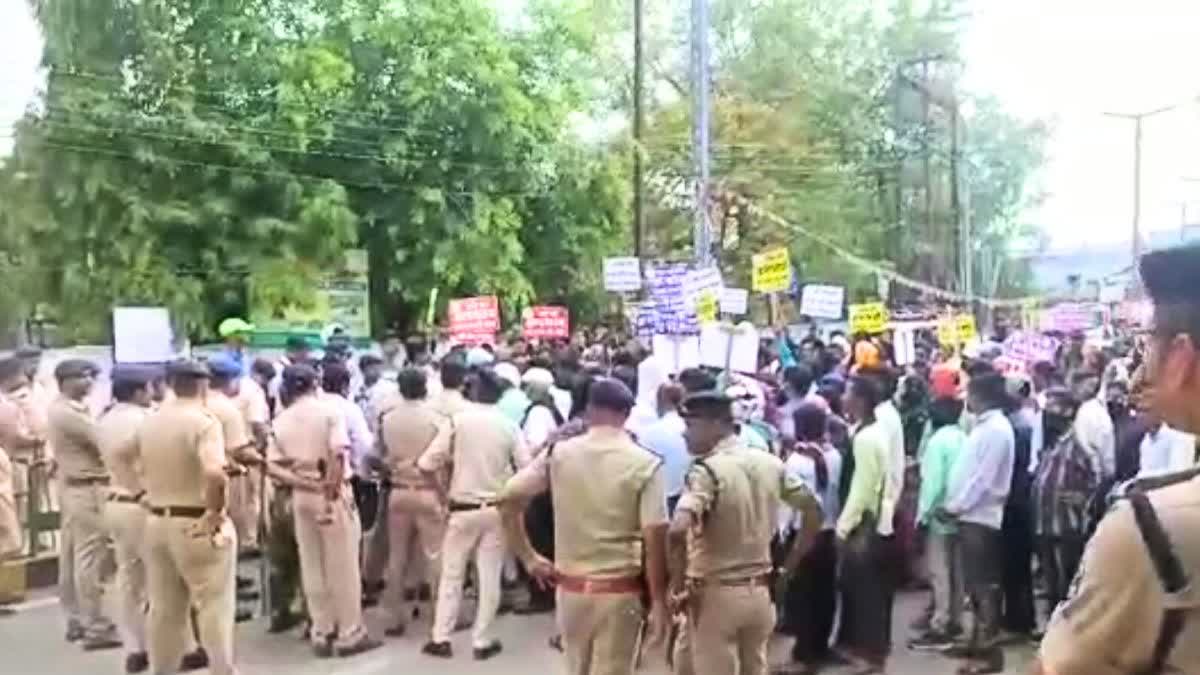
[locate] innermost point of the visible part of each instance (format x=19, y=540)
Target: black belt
x=178, y=511
x=127, y=499
x=455, y=507
x=86, y=482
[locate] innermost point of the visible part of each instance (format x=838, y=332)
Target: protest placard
x=143, y=335
x=706, y=307
x=822, y=302
x=622, y=275
x=869, y=317
x=771, y=271
x=716, y=347
x=734, y=300
x=698, y=282
x=673, y=315
x=474, y=320
x=545, y=322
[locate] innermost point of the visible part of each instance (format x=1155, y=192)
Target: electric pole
x=1136, y=247
x=701, y=78
x=637, y=128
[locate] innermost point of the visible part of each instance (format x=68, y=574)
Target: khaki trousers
x=86, y=544
x=245, y=506
x=599, y=631
x=127, y=523
x=327, y=534
x=187, y=569
x=729, y=635
x=10, y=523
x=417, y=527
x=477, y=532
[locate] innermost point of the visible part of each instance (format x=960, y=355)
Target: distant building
x=1080, y=271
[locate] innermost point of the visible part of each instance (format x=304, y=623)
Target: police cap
x=710, y=404
x=223, y=366
x=133, y=375
x=74, y=368
x=188, y=368
x=611, y=394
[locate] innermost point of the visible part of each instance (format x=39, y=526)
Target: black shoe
x=442, y=650
x=932, y=641
x=74, y=632
x=410, y=595
x=485, y=653
x=282, y=623
x=370, y=600
x=504, y=608
x=250, y=554
x=242, y=615
x=248, y=596
x=363, y=646
x=137, y=662
x=196, y=660
x=323, y=650
x=396, y=631
x=424, y=593
x=244, y=582
x=101, y=643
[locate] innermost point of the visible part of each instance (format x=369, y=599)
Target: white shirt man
x=893, y=430
x=1165, y=450
x=1094, y=428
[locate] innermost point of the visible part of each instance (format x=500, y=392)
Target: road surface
x=31, y=643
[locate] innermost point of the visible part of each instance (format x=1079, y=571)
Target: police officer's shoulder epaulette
x=1148, y=484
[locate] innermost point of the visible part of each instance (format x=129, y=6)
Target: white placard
x=143, y=335
x=622, y=275
x=676, y=353
x=822, y=302
x=714, y=346
x=733, y=300
x=697, y=282
x=904, y=346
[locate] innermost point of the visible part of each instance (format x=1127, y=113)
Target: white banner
x=622, y=275
x=143, y=335
x=822, y=302
x=697, y=282
x=733, y=300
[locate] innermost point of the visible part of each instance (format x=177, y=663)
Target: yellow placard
x=868, y=317
x=772, y=271
x=706, y=307
x=955, y=330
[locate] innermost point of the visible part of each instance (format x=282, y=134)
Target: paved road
x=31, y=644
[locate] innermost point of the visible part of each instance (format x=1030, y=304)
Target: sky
x=1066, y=61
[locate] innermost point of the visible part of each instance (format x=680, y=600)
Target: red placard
x=474, y=320
x=546, y=322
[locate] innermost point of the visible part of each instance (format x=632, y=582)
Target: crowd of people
x=631, y=499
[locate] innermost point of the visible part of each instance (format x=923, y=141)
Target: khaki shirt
x=72, y=432
x=116, y=433
x=13, y=426
x=1110, y=621
x=312, y=429
x=598, y=524
x=449, y=402
x=485, y=447
x=406, y=431
x=738, y=513
x=233, y=425
x=251, y=402
x=178, y=445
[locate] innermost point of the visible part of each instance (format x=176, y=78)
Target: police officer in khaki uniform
x=190, y=545
x=72, y=432
x=415, y=512
x=311, y=455
x=116, y=434
x=1135, y=605
x=241, y=453
x=720, y=542
x=483, y=445
x=604, y=529
x=19, y=446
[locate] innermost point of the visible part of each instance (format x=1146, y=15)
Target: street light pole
x=702, y=232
